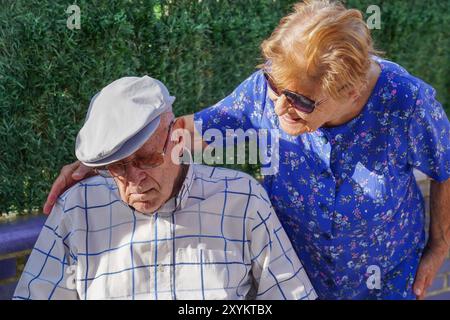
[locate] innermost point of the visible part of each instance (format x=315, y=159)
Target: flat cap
x=120, y=119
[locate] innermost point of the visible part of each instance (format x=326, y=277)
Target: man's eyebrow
x=125, y=160
x=144, y=155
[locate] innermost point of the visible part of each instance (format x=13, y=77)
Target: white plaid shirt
x=219, y=238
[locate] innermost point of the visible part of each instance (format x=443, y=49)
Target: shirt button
x=160, y=268
x=327, y=235
x=324, y=139
x=326, y=174
x=328, y=259
x=329, y=283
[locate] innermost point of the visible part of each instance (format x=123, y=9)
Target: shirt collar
x=178, y=202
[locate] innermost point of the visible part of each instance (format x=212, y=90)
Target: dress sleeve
x=429, y=136
x=242, y=109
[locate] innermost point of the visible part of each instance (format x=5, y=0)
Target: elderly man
x=148, y=227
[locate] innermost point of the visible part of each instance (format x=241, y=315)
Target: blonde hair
x=323, y=42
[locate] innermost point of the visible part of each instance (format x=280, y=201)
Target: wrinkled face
x=328, y=111
x=295, y=122
x=147, y=190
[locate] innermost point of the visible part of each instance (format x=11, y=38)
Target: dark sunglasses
x=296, y=100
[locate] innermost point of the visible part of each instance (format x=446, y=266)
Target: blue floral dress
x=346, y=195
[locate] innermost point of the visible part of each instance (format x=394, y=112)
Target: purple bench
x=17, y=238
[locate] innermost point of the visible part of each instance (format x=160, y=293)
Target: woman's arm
x=68, y=176
x=439, y=239
x=440, y=214
x=429, y=152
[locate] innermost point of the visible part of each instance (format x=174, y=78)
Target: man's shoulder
x=228, y=181
x=87, y=192
x=221, y=174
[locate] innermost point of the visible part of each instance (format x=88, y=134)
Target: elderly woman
x=353, y=128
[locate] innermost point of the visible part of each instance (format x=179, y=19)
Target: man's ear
x=179, y=123
x=181, y=137
x=179, y=127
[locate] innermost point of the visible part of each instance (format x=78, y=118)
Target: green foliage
x=200, y=49
x=415, y=34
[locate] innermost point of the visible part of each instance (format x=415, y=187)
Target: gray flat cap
x=120, y=119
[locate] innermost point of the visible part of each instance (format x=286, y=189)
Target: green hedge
x=200, y=49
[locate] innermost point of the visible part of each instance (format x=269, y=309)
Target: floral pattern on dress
x=346, y=195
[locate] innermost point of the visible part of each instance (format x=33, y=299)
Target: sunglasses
x=296, y=100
